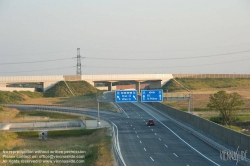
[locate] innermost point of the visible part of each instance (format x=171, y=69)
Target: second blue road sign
x=152, y=95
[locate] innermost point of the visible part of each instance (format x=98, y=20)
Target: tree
x=226, y=103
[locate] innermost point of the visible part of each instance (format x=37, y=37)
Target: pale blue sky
x=33, y=30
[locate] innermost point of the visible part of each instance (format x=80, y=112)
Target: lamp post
x=98, y=114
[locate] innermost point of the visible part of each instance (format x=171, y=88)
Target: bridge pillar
x=155, y=84
x=138, y=86
x=109, y=86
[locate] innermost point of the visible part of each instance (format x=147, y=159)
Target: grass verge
x=95, y=143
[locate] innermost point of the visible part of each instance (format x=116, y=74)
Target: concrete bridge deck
x=156, y=80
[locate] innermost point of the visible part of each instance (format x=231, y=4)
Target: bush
x=218, y=119
x=10, y=97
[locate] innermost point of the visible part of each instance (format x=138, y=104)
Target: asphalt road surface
x=162, y=144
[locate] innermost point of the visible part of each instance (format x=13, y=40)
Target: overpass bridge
x=155, y=80
x=46, y=82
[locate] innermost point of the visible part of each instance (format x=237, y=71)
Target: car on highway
x=150, y=122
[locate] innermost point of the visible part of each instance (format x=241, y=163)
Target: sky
x=41, y=37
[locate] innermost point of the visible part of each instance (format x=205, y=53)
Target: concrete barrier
x=224, y=136
x=35, y=125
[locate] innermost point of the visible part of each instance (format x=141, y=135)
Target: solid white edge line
x=183, y=140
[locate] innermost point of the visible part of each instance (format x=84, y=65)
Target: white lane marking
x=152, y=129
x=175, y=154
x=148, y=126
x=131, y=125
x=143, y=120
x=126, y=122
x=183, y=140
x=140, y=142
x=134, y=128
x=135, y=132
x=166, y=145
x=137, y=136
x=155, y=134
x=145, y=149
x=159, y=139
x=151, y=158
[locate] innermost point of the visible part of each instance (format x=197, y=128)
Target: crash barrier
x=115, y=142
x=221, y=135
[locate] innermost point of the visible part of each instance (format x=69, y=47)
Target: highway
x=159, y=145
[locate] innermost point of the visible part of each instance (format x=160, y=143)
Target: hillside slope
x=205, y=83
x=77, y=87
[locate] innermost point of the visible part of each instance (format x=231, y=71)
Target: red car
x=150, y=122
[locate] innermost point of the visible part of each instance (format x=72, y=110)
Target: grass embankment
x=206, y=83
x=77, y=88
x=202, y=88
x=85, y=96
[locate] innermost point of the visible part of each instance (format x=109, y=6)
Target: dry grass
x=7, y=114
x=42, y=101
x=88, y=101
x=201, y=98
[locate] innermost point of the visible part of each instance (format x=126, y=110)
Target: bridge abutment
x=48, y=84
x=155, y=84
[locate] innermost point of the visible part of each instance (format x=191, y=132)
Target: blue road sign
x=125, y=96
x=152, y=95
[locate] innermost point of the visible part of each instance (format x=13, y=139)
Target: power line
x=208, y=64
x=157, y=59
x=44, y=53
x=52, y=60
x=40, y=69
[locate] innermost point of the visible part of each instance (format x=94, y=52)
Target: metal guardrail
x=116, y=145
